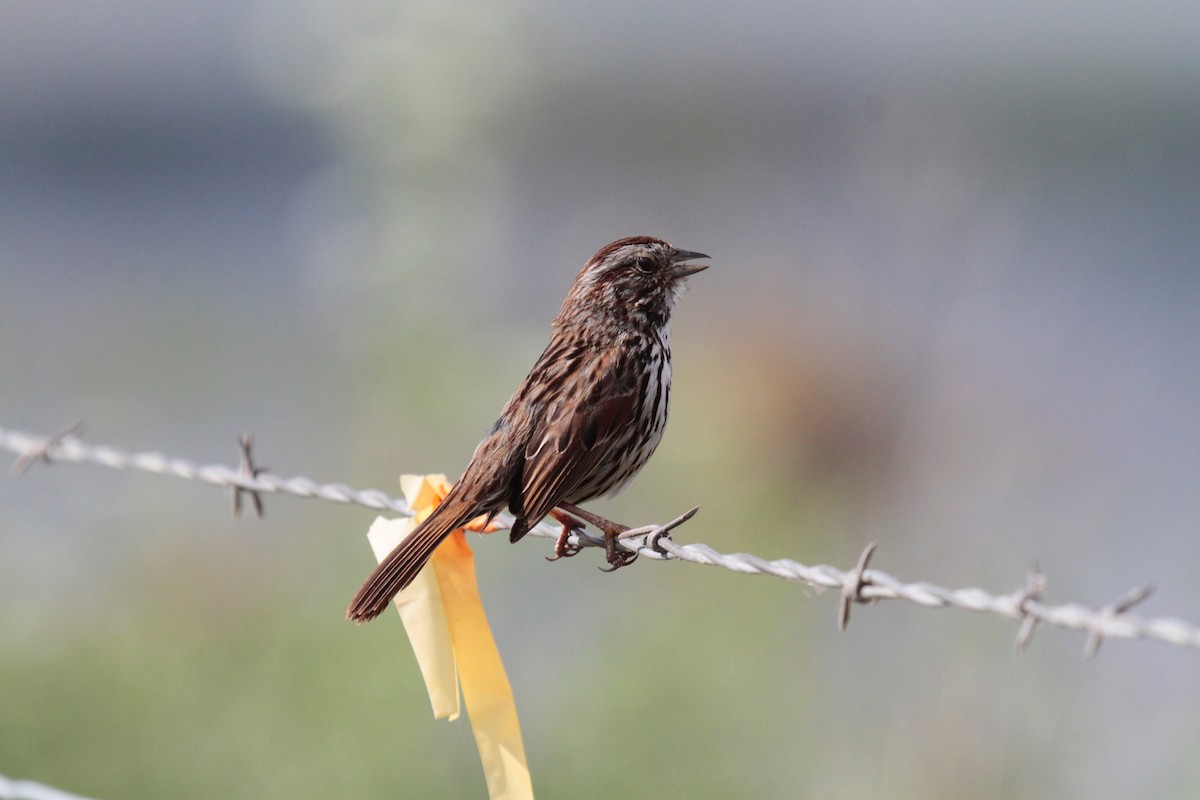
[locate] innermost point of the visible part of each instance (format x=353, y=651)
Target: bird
x=585, y=420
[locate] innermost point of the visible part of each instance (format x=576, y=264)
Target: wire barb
x=860, y=585
x=1035, y=584
x=853, y=584
x=248, y=470
x=652, y=536
x=42, y=449
x=1113, y=612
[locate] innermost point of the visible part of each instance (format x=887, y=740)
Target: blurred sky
x=955, y=308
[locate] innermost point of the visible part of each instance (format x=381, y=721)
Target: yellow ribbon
x=448, y=628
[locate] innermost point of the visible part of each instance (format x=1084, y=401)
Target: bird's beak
x=681, y=270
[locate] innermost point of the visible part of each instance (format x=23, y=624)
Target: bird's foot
x=616, y=558
x=562, y=547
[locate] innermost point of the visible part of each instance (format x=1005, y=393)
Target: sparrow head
x=635, y=280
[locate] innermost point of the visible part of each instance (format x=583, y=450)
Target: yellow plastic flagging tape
x=448, y=628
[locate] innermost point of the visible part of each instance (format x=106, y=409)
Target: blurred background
x=953, y=309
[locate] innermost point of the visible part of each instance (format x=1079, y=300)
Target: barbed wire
x=857, y=585
x=32, y=790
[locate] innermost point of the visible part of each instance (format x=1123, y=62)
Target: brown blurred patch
x=811, y=404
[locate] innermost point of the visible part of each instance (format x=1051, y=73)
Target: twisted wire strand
x=69, y=448
x=32, y=790
x=858, y=585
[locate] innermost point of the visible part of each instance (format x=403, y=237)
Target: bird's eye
x=644, y=265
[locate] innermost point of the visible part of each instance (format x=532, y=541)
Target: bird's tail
x=401, y=566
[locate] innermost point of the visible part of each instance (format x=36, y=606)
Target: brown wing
x=579, y=435
x=401, y=566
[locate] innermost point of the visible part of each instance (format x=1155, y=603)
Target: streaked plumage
x=582, y=423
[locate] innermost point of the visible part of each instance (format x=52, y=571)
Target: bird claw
x=562, y=547
x=618, y=559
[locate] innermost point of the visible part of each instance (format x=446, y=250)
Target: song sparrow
x=582, y=423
